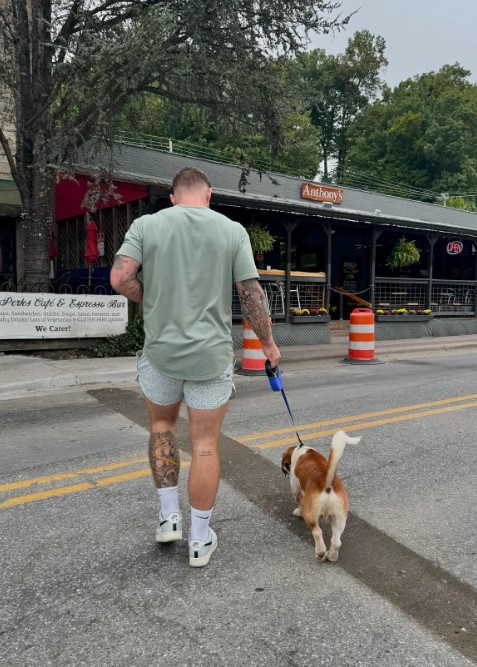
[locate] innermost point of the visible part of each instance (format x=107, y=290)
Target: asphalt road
x=84, y=584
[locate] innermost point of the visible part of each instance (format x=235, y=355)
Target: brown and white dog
x=318, y=491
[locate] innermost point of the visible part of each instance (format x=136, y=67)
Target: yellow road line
x=43, y=495
x=364, y=415
x=76, y=488
x=416, y=413
x=364, y=425
x=106, y=481
x=11, y=486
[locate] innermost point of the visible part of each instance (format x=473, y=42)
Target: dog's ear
x=286, y=469
x=286, y=461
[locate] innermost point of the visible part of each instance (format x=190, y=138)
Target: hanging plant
x=404, y=253
x=260, y=238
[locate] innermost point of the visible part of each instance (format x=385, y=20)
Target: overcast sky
x=421, y=35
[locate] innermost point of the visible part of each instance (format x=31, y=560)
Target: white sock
x=169, y=499
x=199, y=524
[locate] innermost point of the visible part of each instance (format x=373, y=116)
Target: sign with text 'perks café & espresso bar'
x=45, y=315
x=324, y=193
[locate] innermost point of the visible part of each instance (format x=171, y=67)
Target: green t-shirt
x=190, y=258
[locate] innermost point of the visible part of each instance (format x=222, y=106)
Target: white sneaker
x=200, y=551
x=170, y=528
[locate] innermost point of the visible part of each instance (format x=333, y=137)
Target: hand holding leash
x=275, y=378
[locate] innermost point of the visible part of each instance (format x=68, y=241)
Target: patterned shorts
x=200, y=395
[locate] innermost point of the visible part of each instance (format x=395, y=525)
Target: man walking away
x=190, y=257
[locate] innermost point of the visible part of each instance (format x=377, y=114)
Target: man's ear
x=173, y=199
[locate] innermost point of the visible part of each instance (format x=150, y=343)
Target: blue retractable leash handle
x=276, y=383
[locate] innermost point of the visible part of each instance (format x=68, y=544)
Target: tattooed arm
x=124, y=277
x=255, y=311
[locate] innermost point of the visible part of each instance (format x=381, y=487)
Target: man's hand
x=124, y=278
x=272, y=353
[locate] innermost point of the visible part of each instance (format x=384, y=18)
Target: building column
x=372, y=269
x=474, y=242
x=289, y=227
x=19, y=251
x=328, y=232
x=432, y=239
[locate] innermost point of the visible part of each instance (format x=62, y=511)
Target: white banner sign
x=29, y=315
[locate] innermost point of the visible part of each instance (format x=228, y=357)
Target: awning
x=10, y=203
x=70, y=193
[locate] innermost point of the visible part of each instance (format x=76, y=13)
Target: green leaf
x=404, y=253
x=260, y=238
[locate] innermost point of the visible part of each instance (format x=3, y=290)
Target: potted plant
x=403, y=254
x=401, y=314
x=260, y=238
x=306, y=316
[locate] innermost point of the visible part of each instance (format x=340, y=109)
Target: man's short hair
x=189, y=178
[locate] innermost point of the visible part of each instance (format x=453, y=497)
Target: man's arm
x=255, y=311
x=124, y=278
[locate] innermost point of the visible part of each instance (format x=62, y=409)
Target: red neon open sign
x=455, y=247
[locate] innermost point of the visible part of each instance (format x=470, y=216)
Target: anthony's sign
x=322, y=193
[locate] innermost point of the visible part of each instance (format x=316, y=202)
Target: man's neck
x=191, y=202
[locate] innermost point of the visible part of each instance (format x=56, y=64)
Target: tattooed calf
x=164, y=459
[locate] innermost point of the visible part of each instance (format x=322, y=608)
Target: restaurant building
x=331, y=244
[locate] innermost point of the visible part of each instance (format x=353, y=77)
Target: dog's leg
x=310, y=516
x=298, y=498
x=338, y=523
x=320, y=547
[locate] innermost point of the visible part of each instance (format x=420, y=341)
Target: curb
x=317, y=353
x=69, y=380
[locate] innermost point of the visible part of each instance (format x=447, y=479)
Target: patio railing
x=65, y=284
x=446, y=298
x=303, y=294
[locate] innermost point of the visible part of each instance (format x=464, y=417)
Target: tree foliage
x=72, y=65
x=243, y=139
x=464, y=203
x=423, y=133
x=336, y=89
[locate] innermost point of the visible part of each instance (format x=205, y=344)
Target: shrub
x=125, y=345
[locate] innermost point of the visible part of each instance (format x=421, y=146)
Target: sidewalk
x=27, y=373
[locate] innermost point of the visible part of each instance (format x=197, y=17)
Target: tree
x=464, y=203
x=210, y=131
x=336, y=89
x=72, y=65
x=420, y=139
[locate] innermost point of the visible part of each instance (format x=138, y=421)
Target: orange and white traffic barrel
x=253, y=358
x=361, y=337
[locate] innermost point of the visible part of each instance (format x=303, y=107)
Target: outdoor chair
x=295, y=290
x=275, y=298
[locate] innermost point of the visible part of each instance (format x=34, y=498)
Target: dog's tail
x=339, y=442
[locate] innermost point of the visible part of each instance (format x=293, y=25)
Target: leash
x=276, y=383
